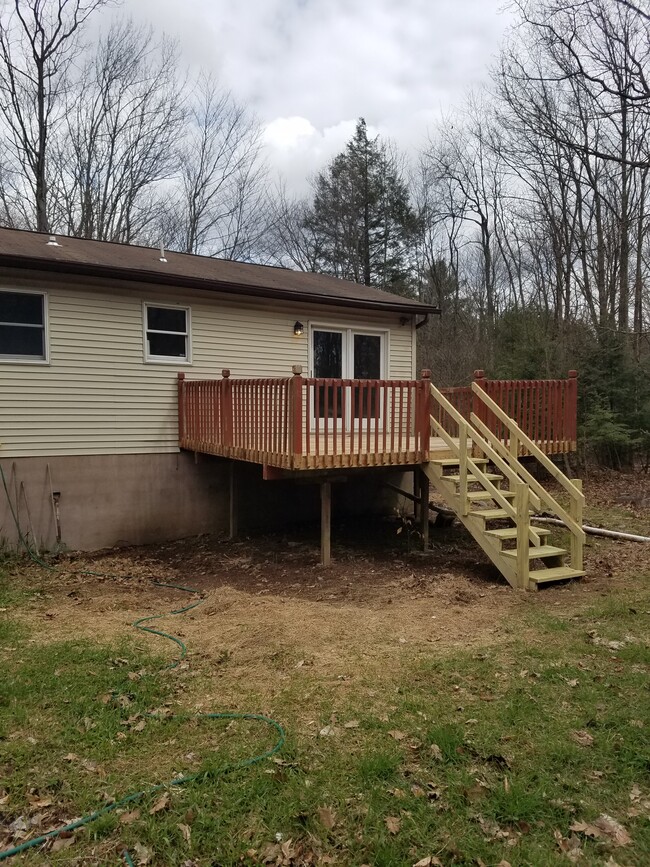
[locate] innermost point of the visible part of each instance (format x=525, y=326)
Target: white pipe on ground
x=594, y=531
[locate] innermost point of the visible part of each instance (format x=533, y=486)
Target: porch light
x=298, y=328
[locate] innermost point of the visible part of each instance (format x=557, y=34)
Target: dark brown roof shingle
x=23, y=249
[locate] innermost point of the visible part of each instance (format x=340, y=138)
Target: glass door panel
x=366, y=364
x=329, y=363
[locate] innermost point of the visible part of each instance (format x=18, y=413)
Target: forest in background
x=525, y=218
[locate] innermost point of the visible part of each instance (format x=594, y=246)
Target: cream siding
x=97, y=395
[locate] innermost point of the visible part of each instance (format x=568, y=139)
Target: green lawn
x=477, y=758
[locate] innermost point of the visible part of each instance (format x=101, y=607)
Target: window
x=167, y=333
x=22, y=326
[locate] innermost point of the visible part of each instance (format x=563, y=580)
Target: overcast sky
x=310, y=68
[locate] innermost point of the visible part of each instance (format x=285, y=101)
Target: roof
x=23, y=249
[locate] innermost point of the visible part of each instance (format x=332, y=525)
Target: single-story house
x=93, y=336
x=147, y=396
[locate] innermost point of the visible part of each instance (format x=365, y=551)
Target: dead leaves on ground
x=604, y=828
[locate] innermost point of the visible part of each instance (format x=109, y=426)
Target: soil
x=269, y=606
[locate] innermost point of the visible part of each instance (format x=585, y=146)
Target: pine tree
x=362, y=217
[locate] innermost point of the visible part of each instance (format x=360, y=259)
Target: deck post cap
x=181, y=375
x=225, y=373
x=573, y=374
x=479, y=374
x=426, y=373
x=297, y=369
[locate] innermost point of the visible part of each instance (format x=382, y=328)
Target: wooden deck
x=299, y=423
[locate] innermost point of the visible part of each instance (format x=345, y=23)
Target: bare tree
x=39, y=42
x=220, y=205
x=120, y=141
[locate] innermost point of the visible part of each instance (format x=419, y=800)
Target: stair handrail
x=536, y=486
x=572, y=487
x=514, y=479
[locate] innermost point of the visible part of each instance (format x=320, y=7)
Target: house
x=92, y=338
x=148, y=395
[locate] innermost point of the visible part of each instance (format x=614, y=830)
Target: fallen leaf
x=436, y=752
x=161, y=804
x=613, y=829
x=352, y=724
x=71, y=757
x=62, y=842
x=129, y=818
x=397, y=735
x=144, y=854
x=605, y=827
x=393, y=824
x=4, y=798
x=327, y=817
x=583, y=738
x=18, y=824
x=186, y=831
x=138, y=727
x=327, y=732
x=36, y=801
x=429, y=861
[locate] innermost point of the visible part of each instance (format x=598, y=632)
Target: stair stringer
x=475, y=526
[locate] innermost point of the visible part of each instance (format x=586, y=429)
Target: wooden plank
x=325, y=523
x=424, y=509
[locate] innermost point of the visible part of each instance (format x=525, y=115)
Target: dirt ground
x=269, y=606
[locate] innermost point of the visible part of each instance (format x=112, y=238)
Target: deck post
x=225, y=408
x=571, y=410
x=424, y=509
x=296, y=411
x=233, y=511
x=522, y=504
x=325, y=523
x=575, y=511
x=478, y=407
x=423, y=422
x=181, y=408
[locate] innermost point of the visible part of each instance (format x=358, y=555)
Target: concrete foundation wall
x=108, y=500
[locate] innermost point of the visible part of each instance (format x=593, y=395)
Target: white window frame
x=348, y=348
x=30, y=359
x=167, y=359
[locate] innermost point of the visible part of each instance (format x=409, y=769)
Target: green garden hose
x=181, y=781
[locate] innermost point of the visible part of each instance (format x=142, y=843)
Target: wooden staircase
x=492, y=493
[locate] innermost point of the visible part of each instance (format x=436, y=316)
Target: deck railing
x=302, y=422
x=545, y=409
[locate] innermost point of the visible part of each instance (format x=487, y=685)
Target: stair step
x=489, y=514
x=538, y=553
x=454, y=462
x=559, y=573
x=493, y=477
x=511, y=533
x=484, y=495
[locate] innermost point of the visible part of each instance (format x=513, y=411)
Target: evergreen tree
x=361, y=216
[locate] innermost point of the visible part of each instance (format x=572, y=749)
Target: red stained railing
x=298, y=422
x=545, y=409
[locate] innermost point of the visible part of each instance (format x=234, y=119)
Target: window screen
x=167, y=333
x=22, y=325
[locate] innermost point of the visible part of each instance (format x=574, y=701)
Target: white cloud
x=310, y=68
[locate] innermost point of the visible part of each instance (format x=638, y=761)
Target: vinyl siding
x=97, y=395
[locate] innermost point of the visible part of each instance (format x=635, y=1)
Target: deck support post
x=233, y=529
x=424, y=509
x=325, y=523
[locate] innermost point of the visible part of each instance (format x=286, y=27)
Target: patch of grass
x=478, y=756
